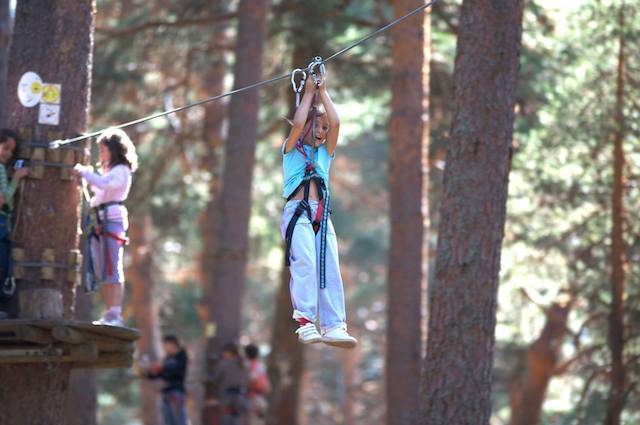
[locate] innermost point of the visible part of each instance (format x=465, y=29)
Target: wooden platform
x=83, y=344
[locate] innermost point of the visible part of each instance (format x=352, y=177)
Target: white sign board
x=49, y=114
x=30, y=89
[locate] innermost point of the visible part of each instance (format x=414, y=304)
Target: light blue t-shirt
x=293, y=166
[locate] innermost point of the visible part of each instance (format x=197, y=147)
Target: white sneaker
x=339, y=337
x=110, y=321
x=308, y=334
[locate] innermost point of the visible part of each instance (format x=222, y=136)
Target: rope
x=57, y=143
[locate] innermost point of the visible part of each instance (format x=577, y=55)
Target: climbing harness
x=58, y=143
x=321, y=219
x=97, y=228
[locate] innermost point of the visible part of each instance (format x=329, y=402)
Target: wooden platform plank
x=33, y=334
x=113, y=331
x=80, y=343
x=108, y=361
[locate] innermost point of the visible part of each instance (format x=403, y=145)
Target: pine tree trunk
x=214, y=117
x=616, y=400
x=229, y=259
x=350, y=362
x=82, y=406
x=408, y=188
x=463, y=294
x=5, y=41
x=285, y=364
x=529, y=388
x=145, y=310
x=53, y=39
x=83, y=397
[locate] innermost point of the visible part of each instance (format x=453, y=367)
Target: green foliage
x=558, y=229
x=557, y=233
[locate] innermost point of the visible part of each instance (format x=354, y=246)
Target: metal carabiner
x=9, y=286
x=316, y=63
x=298, y=89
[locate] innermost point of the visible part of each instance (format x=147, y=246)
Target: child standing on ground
x=316, y=286
x=259, y=386
x=118, y=160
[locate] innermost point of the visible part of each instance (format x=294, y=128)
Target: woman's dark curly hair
x=120, y=147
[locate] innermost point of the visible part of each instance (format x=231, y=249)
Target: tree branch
x=534, y=299
x=181, y=23
x=562, y=368
x=585, y=390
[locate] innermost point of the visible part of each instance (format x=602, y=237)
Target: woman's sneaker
x=308, y=334
x=339, y=337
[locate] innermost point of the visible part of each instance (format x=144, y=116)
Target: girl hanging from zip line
x=109, y=219
x=317, y=293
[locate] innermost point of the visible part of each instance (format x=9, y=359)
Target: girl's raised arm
x=300, y=118
x=114, y=178
x=332, y=117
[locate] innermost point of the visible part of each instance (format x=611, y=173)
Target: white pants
x=309, y=301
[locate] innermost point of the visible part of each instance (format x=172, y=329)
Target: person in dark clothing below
x=231, y=377
x=172, y=371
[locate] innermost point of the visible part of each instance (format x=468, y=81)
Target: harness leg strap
x=302, y=207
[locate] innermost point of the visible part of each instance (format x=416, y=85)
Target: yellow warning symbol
x=51, y=93
x=36, y=87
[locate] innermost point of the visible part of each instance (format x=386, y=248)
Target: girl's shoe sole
x=340, y=343
x=313, y=341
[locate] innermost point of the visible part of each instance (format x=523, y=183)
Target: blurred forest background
x=579, y=91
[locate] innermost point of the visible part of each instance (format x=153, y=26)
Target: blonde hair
x=319, y=113
x=121, y=148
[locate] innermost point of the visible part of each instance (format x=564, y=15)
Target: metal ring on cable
x=316, y=63
x=9, y=286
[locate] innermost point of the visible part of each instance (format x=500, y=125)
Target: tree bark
x=5, y=41
x=212, y=135
x=82, y=406
x=83, y=403
x=285, y=364
x=409, y=215
x=463, y=293
x=53, y=39
x=528, y=389
x=145, y=310
x=616, y=400
x=229, y=259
